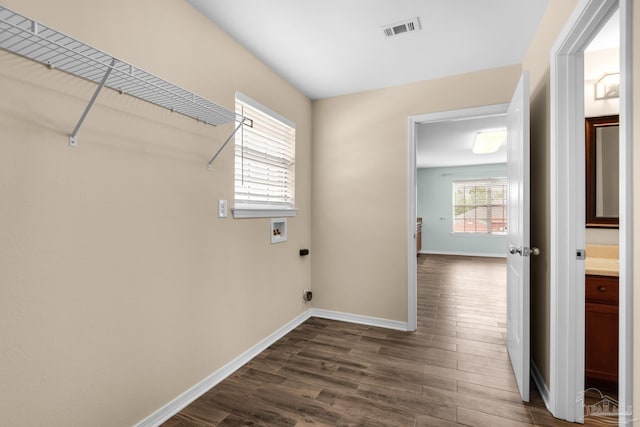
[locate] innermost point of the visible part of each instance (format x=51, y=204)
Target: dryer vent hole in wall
x=307, y=296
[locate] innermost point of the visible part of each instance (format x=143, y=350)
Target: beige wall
x=536, y=62
x=119, y=286
x=360, y=170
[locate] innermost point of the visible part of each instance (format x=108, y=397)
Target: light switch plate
x=222, y=208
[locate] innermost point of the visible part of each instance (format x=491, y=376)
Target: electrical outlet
x=222, y=208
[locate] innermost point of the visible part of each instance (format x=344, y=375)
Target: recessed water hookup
x=278, y=230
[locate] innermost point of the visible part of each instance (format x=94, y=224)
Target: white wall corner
x=359, y=319
x=186, y=398
x=183, y=400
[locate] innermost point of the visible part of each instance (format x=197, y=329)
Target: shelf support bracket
x=73, y=140
x=242, y=122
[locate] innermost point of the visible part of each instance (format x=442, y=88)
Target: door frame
x=567, y=177
x=414, y=121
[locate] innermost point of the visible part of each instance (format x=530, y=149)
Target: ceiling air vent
x=402, y=27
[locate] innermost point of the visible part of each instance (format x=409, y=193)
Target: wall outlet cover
x=222, y=208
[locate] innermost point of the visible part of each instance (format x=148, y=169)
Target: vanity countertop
x=602, y=260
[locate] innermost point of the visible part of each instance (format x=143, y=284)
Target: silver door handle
x=524, y=251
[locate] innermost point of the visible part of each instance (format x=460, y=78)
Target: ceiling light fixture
x=489, y=141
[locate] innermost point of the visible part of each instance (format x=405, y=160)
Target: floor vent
x=402, y=27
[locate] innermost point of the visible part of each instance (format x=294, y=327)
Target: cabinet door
x=601, y=345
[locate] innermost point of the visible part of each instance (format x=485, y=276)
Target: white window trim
x=262, y=212
x=483, y=235
x=255, y=104
x=472, y=234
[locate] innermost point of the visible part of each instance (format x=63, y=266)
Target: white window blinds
x=264, y=159
x=480, y=206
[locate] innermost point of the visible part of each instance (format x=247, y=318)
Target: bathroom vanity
x=601, y=317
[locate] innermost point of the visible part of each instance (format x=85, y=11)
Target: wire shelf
x=28, y=38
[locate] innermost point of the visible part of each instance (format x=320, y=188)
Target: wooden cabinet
x=601, y=331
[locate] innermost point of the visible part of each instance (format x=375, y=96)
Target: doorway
x=567, y=296
x=491, y=111
x=515, y=137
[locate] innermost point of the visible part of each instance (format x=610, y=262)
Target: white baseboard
x=478, y=254
x=182, y=401
x=362, y=320
x=540, y=384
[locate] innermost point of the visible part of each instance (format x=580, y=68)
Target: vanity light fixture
x=489, y=141
x=608, y=86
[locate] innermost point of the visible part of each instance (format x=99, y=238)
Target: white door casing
x=518, y=258
x=440, y=116
x=567, y=140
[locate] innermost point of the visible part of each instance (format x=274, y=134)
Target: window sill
x=492, y=236
x=263, y=213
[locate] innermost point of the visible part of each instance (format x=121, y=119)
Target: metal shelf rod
x=73, y=141
x=242, y=122
x=28, y=38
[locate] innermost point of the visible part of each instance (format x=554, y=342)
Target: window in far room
x=480, y=206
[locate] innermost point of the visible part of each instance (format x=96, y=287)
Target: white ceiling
x=449, y=143
x=334, y=47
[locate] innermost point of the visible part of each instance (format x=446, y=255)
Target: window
x=480, y=206
x=264, y=163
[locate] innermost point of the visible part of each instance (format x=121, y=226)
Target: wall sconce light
x=608, y=86
x=489, y=141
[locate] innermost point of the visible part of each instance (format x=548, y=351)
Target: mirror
x=602, y=171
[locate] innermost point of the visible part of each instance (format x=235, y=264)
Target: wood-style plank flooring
x=453, y=371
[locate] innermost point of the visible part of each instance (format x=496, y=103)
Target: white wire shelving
x=30, y=39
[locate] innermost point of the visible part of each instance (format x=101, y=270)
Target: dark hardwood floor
x=453, y=371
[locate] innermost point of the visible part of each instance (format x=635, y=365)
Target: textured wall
x=435, y=202
x=360, y=186
x=537, y=63
x=119, y=286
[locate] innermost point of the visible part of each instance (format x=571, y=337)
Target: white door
x=519, y=252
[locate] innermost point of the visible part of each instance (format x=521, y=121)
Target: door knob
x=524, y=251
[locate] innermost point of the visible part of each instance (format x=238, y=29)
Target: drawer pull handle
x=602, y=288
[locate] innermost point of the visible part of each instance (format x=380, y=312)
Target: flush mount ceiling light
x=489, y=141
x=608, y=86
x=402, y=27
